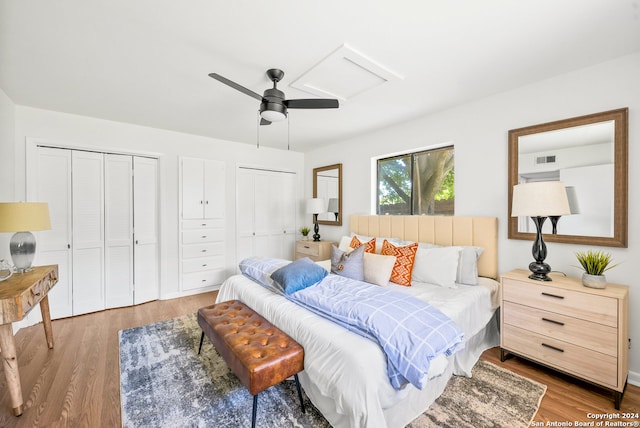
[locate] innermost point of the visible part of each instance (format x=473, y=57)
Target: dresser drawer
x=192, y=281
x=308, y=249
x=202, y=250
x=586, y=306
x=202, y=264
x=573, y=359
x=202, y=235
x=202, y=224
x=599, y=337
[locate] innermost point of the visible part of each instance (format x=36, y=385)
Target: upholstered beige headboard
x=440, y=230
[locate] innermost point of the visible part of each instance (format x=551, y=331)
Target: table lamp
x=539, y=200
x=333, y=207
x=23, y=217
x=316, y=206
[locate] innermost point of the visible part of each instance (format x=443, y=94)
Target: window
x=417, y=183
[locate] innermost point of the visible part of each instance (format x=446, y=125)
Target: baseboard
x=177, y=294
x=634, y=378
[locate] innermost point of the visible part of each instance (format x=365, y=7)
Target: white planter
x=594, y=281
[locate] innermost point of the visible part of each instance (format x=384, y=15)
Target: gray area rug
x=165, y=383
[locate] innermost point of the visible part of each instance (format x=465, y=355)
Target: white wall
x=479, y=132
x=7, y=127
x=105, y=135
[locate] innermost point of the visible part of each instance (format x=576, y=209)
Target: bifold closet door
x=88, y=232
x=118, y=228
x=145, y=220
x=53, y=186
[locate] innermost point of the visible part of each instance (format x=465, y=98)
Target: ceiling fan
x=273, y=106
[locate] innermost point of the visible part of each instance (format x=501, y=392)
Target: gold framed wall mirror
x=587, y=153
x=327, y=184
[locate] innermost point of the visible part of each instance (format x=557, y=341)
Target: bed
x=345, y=374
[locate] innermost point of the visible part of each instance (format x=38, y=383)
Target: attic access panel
x=344, y=74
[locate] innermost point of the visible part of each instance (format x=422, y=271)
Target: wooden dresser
x=315, y=250
x=564, y=325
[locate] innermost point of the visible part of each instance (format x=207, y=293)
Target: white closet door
x=192, y=188
x=88, y=232
x=118, y=209
x=288, y=215
x=53, y=185
x=145, y=208
x=214, y=189
x=245, y=208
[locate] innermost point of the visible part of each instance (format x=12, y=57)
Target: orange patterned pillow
x=369, y=246
x=405, y=256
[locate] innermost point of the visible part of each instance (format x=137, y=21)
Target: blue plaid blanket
x=410, y=331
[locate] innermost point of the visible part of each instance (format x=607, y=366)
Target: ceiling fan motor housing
x=273, y=101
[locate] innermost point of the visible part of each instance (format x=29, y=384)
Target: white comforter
x=345, y=374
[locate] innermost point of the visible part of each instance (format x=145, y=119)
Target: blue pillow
x=298, y=275
x=348, y=265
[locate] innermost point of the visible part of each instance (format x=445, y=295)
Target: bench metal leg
x=299, y=393
x=201, y=339
x=255, y=409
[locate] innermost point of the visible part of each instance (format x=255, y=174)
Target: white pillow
x=467, y=263
x=344, y=243
x=326, y=264
x=377, y=268
x=437, y=265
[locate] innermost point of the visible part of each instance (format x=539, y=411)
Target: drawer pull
x=552, y=295
x=203, y=251
x=552, y=321
x=306, y=246
x=552, y=347
x=204, y=236
x=204, y=265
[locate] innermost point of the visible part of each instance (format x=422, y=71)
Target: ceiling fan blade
x=235, y=86
x=264, y=122
x=312, y=103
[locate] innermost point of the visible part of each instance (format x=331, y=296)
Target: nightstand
x=315, y=250
x=580, y=331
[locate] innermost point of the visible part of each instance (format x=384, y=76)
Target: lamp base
x=316, y=228
x=22, y=247
x=539, y=271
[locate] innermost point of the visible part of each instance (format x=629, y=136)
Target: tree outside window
x=417, y=183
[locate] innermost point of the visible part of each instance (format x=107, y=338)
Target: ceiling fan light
x=273, y=116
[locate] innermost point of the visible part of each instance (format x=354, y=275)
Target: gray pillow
x=348, y=265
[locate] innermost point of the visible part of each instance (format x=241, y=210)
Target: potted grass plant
x=595, y=264
x=305, y=232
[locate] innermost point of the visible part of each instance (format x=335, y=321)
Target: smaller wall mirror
x=327, y=184
x=589, y=155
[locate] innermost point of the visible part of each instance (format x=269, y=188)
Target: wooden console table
x=18, y=295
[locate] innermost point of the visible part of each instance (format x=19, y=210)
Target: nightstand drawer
x=586, y=306
x=599, y=337
x=576, y=360
x=307, y=248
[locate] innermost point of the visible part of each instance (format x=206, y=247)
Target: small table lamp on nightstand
x=316, y=206
x=21, y=218
x=539, y=200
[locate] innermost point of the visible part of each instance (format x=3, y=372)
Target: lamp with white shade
x=539, y=200
x=22, y=218
x=316, y=206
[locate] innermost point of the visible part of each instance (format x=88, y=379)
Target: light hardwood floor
x=77, y=383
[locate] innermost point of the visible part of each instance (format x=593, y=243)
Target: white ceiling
x=146, y=61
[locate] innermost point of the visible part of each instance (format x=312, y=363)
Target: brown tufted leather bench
x=254, y=349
